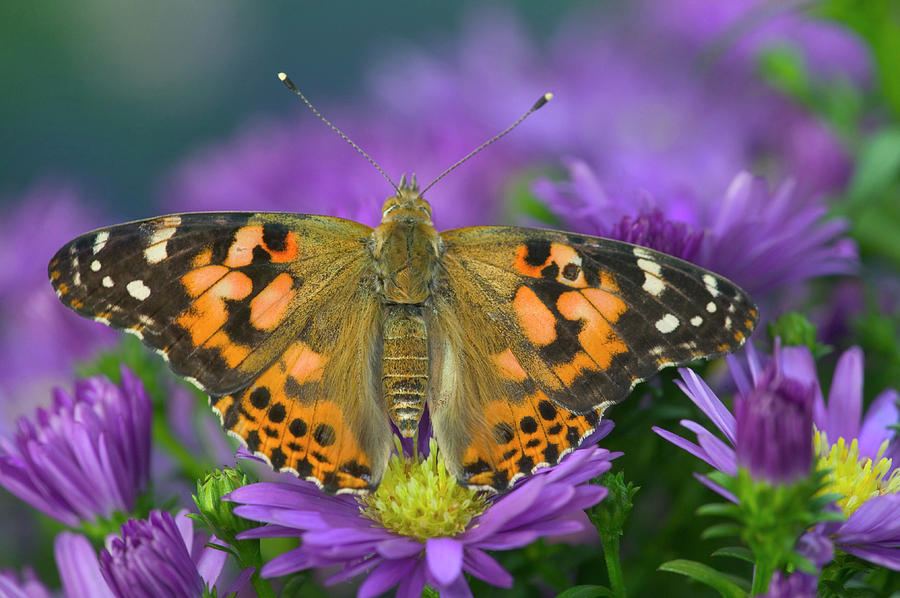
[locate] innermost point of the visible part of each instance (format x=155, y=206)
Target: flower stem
x=762, y=575
x=610, y=543
x=249, y=556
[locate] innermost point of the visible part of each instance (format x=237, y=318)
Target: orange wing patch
x=286, y=417
x=535, y=318
x=248, y=238
x=522, y=438
x=268, y=307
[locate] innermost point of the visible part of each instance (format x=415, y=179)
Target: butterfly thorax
x=406, y=249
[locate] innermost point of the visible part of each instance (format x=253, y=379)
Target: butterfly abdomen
x=404, y=373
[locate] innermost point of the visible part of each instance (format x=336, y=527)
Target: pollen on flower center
x=857, y=479
x=420, y=499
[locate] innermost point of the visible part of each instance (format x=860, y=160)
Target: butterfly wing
x=537, y=332
x=262, y=311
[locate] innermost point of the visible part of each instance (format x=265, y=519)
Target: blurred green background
x=110, y=94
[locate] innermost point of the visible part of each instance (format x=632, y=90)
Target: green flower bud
x=218, y=515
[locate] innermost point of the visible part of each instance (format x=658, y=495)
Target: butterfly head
x=407, y=205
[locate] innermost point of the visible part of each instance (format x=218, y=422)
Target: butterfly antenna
x=537, y=105
x=290, y=85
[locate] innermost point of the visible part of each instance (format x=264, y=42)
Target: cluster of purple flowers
x=778, y=411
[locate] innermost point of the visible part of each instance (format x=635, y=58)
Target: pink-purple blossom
x=334, y=532
x=872, y=530
x=87, y=456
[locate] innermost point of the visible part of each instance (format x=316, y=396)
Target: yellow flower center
x=857, y=479
x=420, y=499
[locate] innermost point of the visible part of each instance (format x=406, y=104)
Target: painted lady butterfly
x=313, y=334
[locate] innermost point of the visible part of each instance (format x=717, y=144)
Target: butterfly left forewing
x=567, y=325
x=275, y=316
x=214, y=293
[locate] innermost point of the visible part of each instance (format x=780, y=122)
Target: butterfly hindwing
x=567, y=325
x=234, y=301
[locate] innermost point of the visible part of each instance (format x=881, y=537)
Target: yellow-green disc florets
x=420, y=499
x=857, y=478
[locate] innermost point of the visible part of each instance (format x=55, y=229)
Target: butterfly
x=317, y=337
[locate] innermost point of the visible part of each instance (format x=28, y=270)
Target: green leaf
x=723, y=530
x=719, y=509
x=784, y=68
x=585, y=592
x=706, y=575
x=737, y=552
x=878, y=165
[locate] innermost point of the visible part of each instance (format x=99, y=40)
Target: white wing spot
x=728, y=322
x=138, y=290
x=156, y=246
x=102, y=320
x=100, y=241
x=711, y=307
x=95, y=266
x=77, y=278
x=641, y=252
x=712, y=285
x=696, y=320
x=667, y=323
x=107, y=282
x=146, y=320
x=653, y=284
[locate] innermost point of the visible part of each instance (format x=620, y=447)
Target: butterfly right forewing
x=566, y=325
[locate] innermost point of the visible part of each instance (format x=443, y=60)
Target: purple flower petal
x=78, y=567
x=291, y=561
x=886, y=556
x=876, y=428
x=28, y=587
x=728, y=495
x=385, y=576
x=845, y=396
x=444, y=557
x=242, y=579
x=413, y=585
x=481, y=565
x=798, y=364
x=875, y=521
x=703, y=397
x=86, y=458
x=683, y=444
x=397, y=548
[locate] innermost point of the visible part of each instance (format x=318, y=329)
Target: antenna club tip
x=282, y=76
x=542, y=100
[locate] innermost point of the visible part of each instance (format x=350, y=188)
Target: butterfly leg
x=404, y=374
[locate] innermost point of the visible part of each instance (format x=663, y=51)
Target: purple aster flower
x=408, y=534
x=774, y=435
x=161, y=556
x=26, y=586
x=632, y=98
x=861, y=452
x=85, y=458
x=40, y=340
x=78, y=568
x=625, y=100
x=747, y=27
x=764, y=241
x=302, y=166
